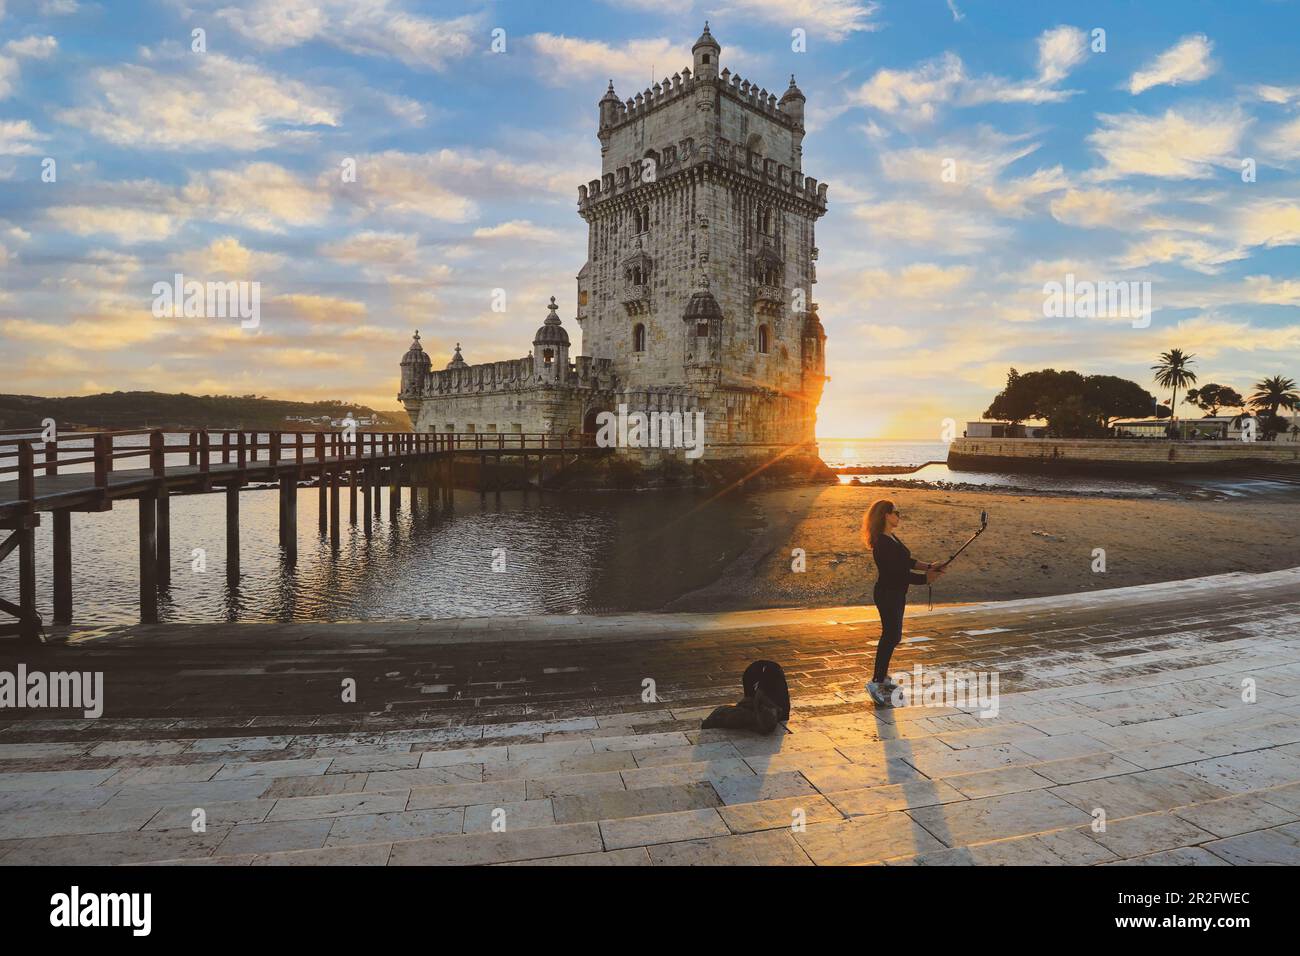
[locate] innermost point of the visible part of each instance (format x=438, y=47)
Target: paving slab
x=391, y=827
x=483, y=848
x=767, y=848
x=994, y=818
x=662, y=828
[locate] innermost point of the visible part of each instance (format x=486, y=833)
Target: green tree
x=1117, y=398
x=1173, y=371
x=1211, y=397
x=1073, y=405
x=1271, y=394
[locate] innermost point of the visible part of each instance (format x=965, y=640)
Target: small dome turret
x=415, y=355
x=706, y=52
x=457, y=361
x=792, y=102
x=702, y=307
x=552, y=332
x=609, y=106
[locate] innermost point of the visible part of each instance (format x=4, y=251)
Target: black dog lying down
x=766, y=702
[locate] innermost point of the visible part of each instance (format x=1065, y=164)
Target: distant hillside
x=163, y=410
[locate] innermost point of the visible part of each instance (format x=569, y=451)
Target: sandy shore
x=1035, y=545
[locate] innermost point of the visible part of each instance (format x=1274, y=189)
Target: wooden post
x=163, y=522
x=366, y=488
x=148, y=559
x=394, y=491
x=63, y=566
x=377, y=476
x=232, y=535
x=352, y=497
x=164, y=534
x=322, y=521
x=52, y=457
x=29, y=620
x=334, y=509
x=289, y=517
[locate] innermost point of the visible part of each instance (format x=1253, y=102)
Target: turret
x=551, y=349
x=792, y=103
x=702, y=319
x=610, y=105
x=415, y=366
x=813, y=357
x=706, y=51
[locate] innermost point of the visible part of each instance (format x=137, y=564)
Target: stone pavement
x=1127, y=702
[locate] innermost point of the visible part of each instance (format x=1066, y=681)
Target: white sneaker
x=878, y=694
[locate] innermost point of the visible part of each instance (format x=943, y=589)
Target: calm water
x=562, y=554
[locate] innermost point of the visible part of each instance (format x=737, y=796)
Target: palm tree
x=1173, y=372
x=1274, y=393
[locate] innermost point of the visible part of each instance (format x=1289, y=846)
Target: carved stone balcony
x=636, y=298
x=769, y=299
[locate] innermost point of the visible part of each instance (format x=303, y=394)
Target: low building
x=984, y=429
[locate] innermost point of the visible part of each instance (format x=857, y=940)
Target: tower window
x=702, y=330
x=762, y=339
x=638, y=338
x=547, y=355
x=706, y=58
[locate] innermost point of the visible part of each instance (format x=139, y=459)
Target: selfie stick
x=984, y=523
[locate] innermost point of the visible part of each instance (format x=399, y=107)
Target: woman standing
x=896, y=572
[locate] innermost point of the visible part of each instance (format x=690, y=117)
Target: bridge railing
x=105, y=451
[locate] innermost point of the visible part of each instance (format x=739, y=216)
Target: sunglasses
x=897, y=512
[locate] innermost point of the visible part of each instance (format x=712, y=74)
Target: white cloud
x=208, y=102
x=918, y=93
x=372, y=248
x=228, y=256
x=520, y=229
x=1187, y=61
x=125, y=223
x=920, y=280
x=445, y=184
x=15, y=51
x=320, y=309
x=1093, y=208
x=940, y=227
x=262, y=196
x=377, y=28
x=18, y=138
x=833, y=19
x=1176, y=145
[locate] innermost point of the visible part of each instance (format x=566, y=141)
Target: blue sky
x=225, y=165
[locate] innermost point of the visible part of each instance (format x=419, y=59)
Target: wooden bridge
x=81, y=471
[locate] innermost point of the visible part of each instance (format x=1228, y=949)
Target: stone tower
x=696, y=297
x=701, y=255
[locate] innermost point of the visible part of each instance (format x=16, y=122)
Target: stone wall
x=1119, y=453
